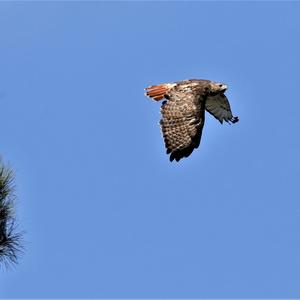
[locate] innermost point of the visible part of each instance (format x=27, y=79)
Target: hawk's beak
x=223, y=88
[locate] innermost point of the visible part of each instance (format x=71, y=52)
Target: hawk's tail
x=158, y=92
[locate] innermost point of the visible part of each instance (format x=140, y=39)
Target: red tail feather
x=158, y=92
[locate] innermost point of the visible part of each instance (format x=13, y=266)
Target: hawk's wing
x=219, y=107
x=182, y=119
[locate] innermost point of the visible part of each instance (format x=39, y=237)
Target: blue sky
x=105, y=212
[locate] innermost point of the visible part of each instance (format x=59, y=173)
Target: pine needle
x=10, y=240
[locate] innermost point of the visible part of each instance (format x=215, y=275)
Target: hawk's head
x=217, y=88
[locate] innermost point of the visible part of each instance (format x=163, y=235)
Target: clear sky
x=105, y=212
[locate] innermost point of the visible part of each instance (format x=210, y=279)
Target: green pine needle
x=10, y=241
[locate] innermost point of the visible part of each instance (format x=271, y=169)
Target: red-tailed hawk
x=183, y=112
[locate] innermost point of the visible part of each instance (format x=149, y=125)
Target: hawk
x=183, y=112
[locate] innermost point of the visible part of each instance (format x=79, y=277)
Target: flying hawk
x=183, y=112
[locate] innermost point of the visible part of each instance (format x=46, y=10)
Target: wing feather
x=182, y=123
x=219, y=107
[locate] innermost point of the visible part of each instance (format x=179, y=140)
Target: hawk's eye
x=220, y=85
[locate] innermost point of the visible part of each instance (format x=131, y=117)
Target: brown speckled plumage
x=183, y=112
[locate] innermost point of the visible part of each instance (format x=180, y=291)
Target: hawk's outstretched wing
x=219, y=107
x=182, y=118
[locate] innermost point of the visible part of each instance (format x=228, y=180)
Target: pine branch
x=10, y=240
